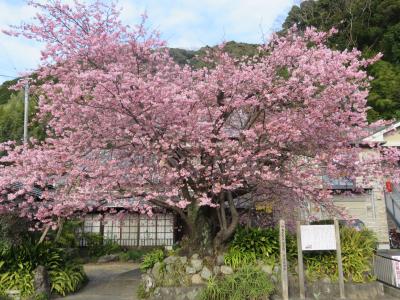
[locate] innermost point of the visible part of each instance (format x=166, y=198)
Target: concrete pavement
x=109, y=281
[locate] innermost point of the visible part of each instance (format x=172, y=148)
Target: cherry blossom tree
x=127, y=124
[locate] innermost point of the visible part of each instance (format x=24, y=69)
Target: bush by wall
x=18, y=262
x=151, y=258
x=250, y=244
x=97, y=246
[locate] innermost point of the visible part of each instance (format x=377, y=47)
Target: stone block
x=41, y=281
x=197, y=264
x=205, y=273
x=226, y=270
x=196, y=279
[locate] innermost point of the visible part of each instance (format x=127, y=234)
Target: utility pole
x=26, y=108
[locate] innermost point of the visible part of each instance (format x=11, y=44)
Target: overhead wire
x=8, y=76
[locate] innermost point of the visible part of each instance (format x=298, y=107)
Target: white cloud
x=213, y=21
x=182, y=23
x=17, y=55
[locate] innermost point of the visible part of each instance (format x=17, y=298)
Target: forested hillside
x=194, y=58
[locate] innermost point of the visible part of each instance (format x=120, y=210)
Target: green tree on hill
x=12, y=118
x=371, y=26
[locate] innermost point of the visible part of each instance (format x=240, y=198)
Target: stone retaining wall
x=324, y=290
x=177, y=293
x=317, y=290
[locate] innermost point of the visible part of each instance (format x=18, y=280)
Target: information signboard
x=318, y=237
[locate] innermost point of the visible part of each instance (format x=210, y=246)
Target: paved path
x=111, y=281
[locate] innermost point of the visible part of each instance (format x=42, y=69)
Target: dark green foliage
x=372, y=26
x=67, y=280
x=5, y=92
x=18, y=262
x=133, y=255
x=12, y=119
x=69, y=237
x=358, y=248
x=247, y=283
x=13, y=230
x=98, y=246
x=385, y=91
x=263, y=242
x=195, y=58
x=182, y=56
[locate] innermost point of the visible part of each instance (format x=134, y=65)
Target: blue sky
x=187, y=24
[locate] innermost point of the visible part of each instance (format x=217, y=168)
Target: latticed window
x=134, y=230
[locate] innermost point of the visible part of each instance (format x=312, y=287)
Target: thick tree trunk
x=206, y=229
x=227, y=225
x=199, y=233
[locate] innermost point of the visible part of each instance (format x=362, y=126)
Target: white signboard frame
x=318, y=237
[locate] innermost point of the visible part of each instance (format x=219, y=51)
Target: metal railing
x=385, y=268
x=393, y=206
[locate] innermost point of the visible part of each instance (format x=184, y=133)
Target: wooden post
x=60, y=228
x=43, y=236
x=284, y=273
x=339, y=259
x=300, y=262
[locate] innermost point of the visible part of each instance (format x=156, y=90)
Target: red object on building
x=389, y=186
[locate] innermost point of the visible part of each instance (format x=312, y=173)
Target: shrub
x=151, y=258
x=263, y=243
x=19, y=261
x=97, y=246
x=70, y=236
x=134, y=255
x=31, y=255
x=67, y=280
x=358, y=248
x=247, y=283
x=13, y=230
x=21, y=280
x=238, y=259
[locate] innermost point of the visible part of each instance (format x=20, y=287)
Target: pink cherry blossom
x=126, y=122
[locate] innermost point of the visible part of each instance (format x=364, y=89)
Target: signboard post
x=319, y=237
x=284, y=273
x=300, y=263
x=339, y=259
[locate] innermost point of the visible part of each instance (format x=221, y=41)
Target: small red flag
x=389, y=186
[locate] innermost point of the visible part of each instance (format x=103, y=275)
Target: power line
x=1, y=75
